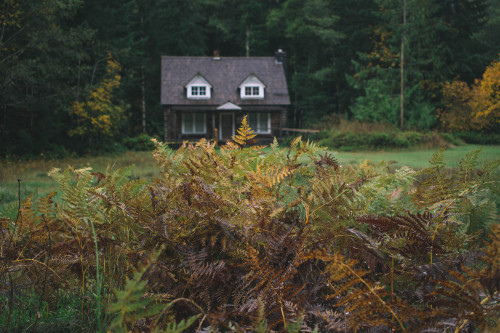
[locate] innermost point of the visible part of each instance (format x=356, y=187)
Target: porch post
x=282, y=121
x=168, y=124
x=165, y=124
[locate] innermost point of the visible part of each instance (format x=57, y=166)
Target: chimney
x=280, y=57
x=216, y=55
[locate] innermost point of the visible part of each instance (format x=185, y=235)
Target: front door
x=226, y=126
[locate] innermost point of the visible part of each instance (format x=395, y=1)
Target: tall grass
x=36, y=182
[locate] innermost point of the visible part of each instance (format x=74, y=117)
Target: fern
x=244, y=134
x=360, y=295
x=284, y=239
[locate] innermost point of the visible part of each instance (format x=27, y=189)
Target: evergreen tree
x=310, y=38
x=138, y=33
x=434, y=38
x=42, y=57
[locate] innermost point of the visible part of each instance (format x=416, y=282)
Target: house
x=207, y=97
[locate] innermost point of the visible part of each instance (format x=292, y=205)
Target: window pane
x=203, y=91
x=262, y=126
x=199, y=123
x=252, y=121
x=194, y=91
x=187, y=119
x=255, y=91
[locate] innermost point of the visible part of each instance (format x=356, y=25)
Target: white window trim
x=251, y=96
x=190, y=91
x=259, y=114
x=199, y=88
x=198, y=81
x=250, y=82
x=184, y=131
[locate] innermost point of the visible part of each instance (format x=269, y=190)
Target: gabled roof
x=198, y=79
x=225, y=75
x=228, y=106
x=251, y=79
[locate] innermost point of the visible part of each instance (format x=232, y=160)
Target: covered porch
x=221, y=123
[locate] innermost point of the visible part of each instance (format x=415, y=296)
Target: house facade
x=207, y=97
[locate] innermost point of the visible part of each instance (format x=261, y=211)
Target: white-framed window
x=198, y=91
x=260, y=122
x=194, y=123
x=252, y=91
x=252, y=88
x=198, y=88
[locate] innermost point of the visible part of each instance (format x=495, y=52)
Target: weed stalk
x=98, y=273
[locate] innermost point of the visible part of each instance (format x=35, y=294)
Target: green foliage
x=100, y=115
x=132, y=304
x=141, y=142
x=346, y=140
x=406, y=31
x=29, y=311
x=478, y=137
x=342, y=59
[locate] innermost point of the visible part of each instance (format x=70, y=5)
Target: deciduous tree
x=473, y=108
x=100, y=114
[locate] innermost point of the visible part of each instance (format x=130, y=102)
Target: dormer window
x=198, y=88
x=252, y=91
x=198, y=91
x=252, y=88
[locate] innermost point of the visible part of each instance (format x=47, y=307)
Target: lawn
x=35, y=181
x=419, y=158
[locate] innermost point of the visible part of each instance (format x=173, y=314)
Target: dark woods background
x=78, y=75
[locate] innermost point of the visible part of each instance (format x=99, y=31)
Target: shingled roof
x=225, y=74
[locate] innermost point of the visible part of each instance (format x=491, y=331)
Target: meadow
x=36, y=182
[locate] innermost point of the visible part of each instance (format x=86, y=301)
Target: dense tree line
x=58, y=57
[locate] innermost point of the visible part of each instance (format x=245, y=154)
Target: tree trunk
x=402, y=65
x=247, y=41
x=143, y=95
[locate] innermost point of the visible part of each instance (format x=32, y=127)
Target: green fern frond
x=130, y=304
x=179, y=327
x=467, y=165
x=437, y=159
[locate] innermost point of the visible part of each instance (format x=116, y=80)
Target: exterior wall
x=173, y=123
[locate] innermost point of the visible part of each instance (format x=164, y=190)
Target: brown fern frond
x=327, y=160
x=354, y=290
x=409, y=235
x=463, y=299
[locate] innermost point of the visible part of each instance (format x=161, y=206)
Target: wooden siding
x=173, y=124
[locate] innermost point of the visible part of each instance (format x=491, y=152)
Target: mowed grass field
x=36, y=182
x=418, y=159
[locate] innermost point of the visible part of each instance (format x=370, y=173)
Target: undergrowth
x=238, y=240
x=344, y=135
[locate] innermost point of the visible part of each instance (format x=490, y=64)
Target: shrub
x=380, y=140
x=142, y=142
x=478, y=138
x=338, y=133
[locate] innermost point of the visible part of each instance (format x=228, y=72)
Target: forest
x=77, y=75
